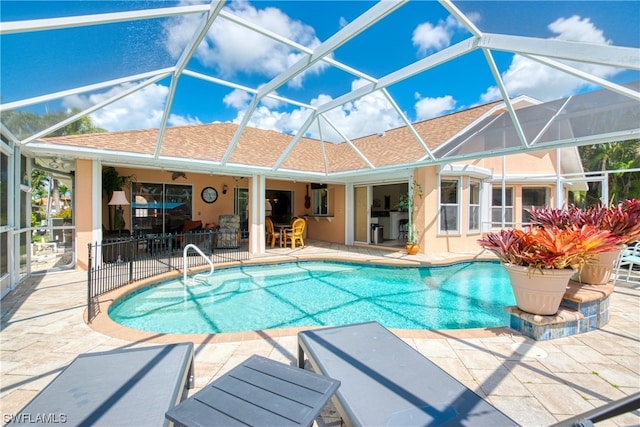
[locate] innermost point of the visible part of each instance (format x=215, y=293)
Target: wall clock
x=209, y=194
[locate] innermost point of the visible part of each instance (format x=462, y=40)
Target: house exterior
x=349, y=186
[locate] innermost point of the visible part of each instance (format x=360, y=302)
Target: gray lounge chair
x=385, y=382
x=133, y=387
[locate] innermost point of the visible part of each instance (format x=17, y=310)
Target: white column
x=257, y=234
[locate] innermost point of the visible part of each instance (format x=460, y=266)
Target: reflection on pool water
x=459, y=296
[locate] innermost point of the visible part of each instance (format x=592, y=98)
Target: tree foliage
x=24, y=123
x=610, y=156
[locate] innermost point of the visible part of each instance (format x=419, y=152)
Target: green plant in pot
x=406, y=202
x=540, y=260
x=113, y=181
x=621, y=220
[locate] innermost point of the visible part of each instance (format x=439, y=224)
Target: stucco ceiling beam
x=182, y=62
x=587, y=76
x=590, y=53
x=505, y=97
x=348, y=32
x=97, y=19
x=92, y=109
x=247, y=89
x=165, y=72
x=410, y=70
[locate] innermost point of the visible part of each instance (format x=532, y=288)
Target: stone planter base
x=583, y=308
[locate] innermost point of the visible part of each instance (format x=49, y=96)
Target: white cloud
x=365, y=116
x=428, y=37
x=231, y=49
x=427, y=108
x=176, y=120
x=238, y=99
x=531, y=78
x=140, y=110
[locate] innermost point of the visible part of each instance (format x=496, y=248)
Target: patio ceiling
x=608, y=110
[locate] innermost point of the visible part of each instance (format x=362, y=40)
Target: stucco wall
x=523, y=164
x=426, y=216
x=331, y=228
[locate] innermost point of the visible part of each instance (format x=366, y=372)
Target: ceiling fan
x=58, y=163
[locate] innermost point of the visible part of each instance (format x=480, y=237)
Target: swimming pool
x=322, y=293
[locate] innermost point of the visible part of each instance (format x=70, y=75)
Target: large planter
x=538, y=291
x=598, y=271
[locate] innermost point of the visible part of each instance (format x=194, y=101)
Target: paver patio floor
x=537, y=383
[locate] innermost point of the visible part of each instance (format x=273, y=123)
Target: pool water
x=459, y=296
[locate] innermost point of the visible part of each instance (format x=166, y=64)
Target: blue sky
x=38, y=63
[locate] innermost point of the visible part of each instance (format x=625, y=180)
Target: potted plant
x=113, y=181
x=621, y=220
x=540, y=260
x=406, y=203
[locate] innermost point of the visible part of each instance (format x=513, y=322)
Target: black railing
x=118, y=261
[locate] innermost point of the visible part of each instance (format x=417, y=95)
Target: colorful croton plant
x=549, y=247
x=622, y=220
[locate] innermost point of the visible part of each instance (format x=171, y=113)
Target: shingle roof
x=263, y=148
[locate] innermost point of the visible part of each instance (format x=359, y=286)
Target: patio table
x=258, y=392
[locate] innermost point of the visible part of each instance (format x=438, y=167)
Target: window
x=281, y=202
x=474, y=206
x=532, y=197
x=497, y=204
x=160, y=208
x=319, y=199
x=449, y=205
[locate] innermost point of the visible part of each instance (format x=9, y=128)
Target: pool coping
x=103, y=324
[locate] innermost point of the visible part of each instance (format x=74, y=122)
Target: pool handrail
x=184, y=262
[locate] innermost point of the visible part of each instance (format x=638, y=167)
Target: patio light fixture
x=119, y=199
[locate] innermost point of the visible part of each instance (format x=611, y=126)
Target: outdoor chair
x=228, y=234
x=272, y=235
x=295, y=233
x=125, y=387
x=629, y=258
x=386, y=382
x=188, y=226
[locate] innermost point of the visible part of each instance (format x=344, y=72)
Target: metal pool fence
x=118, y=261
